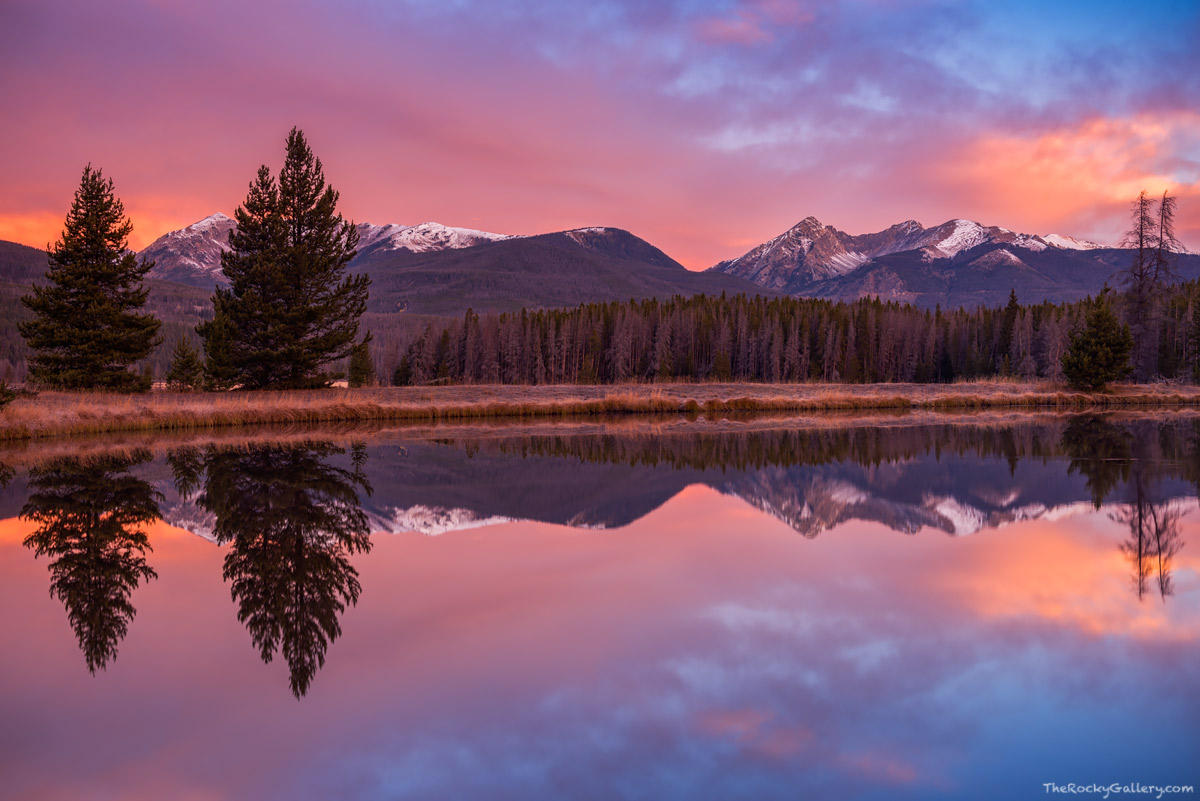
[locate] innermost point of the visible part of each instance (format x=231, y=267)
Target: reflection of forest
x=91, y=515
x=792, y=447
x=292, y=519
x=1127, y=461
x=1084, y=436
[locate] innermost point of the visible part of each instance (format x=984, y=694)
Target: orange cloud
x=1044, y=570
x=1078, y=176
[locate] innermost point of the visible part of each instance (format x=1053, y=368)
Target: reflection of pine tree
x=90, y=513
x=293, y=521
x=187, y=467
x=1099, y=450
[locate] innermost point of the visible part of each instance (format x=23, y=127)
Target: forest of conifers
x=777, y=339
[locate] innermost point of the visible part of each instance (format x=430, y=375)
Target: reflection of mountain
x=953, y=480
x=437, y=487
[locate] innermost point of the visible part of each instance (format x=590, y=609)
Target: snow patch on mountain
x=844, y=493
x=189, y=516
x=423, y=238
x=961, y=235
x=843, y=263
x=432, y=520
x=963, y=519
x=1070, y=242
x=371, y=235
x=1030, y=242
x=583, y=236
x=207, y=224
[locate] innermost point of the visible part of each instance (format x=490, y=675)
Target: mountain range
x=957, y=263
x=436, y=269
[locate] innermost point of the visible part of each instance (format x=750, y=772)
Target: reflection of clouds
x=742, y=618
x=1038, y=571
x=705, y=652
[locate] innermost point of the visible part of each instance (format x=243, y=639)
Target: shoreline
x=64, y=414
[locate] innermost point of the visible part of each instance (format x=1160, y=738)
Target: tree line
x=742, y=338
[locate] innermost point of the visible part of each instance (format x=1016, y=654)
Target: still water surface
x=835, y=612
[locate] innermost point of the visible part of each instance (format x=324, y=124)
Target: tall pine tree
x=87, y=328
x=1099, y=353
x=290, y=309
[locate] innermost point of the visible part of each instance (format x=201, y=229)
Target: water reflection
x=957, y=479
x=1152, y=519
x=1100, y=451
x=292, y=515
x=91, y=515
x=292, y=519
x=706, y=650
x=1139, y=457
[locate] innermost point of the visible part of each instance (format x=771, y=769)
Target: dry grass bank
x=58, y=414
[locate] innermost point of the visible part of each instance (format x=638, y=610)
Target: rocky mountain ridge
x=957, y=263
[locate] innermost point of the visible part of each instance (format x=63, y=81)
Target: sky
x=703, y=126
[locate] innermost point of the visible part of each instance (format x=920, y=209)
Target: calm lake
x=797, y=611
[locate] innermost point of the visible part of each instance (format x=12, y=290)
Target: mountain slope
x=549, y=270
x=192, y=255
x=441, y=270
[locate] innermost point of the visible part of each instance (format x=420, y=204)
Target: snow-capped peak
x=208, y=223
x=955, y=236
x=1070, y=242
x=422, y=238
x=595, y=229
x=369, y=235
x=432, y=520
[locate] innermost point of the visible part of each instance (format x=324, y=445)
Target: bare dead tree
x=1165, y=245
x=1143, y=284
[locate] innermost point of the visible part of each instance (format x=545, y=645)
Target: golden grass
x=61, y=414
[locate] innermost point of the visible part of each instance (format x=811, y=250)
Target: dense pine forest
x=778, y=340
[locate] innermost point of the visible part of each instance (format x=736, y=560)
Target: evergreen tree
x=290, y=308
x=87, y=330
x=219, y=372
x=1009, y=321
x=187, y=371
x=1100, y=352
x=362, y=366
